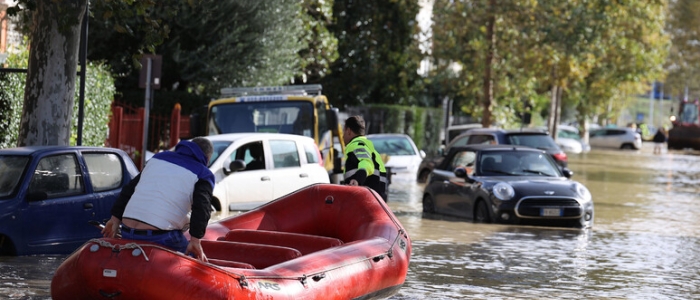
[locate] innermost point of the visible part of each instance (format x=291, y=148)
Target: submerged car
x=618, y=138
x=403, y=155
x=526, y=137
x=252, y=169
x=507, y=184
x=50, y=195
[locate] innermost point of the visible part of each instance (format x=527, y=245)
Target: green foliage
x=684, y=58
x=596, y=50
x=211, y=44
x=99, y=93
x=321, y=46
x=379, y=55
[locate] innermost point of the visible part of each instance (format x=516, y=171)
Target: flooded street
x=645, y=242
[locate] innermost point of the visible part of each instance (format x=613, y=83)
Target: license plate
x=550, y=212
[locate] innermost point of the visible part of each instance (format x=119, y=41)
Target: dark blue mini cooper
x=49, y=194
x=507, y=184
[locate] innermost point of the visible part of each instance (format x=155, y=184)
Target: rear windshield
x=11, y=168
x=540, y=141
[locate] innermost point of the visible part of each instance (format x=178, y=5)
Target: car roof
x=27, y=150
x=506, y=131
x=380, y=135
x=230, y=137
x=489, y=147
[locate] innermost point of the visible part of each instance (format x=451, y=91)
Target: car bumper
x=555, y=211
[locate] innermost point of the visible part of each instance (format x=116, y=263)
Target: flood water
x=645, y=243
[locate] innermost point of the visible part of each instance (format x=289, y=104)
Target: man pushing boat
x=154, y=206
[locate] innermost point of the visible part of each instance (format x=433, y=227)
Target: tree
x=52, y=67
x=379, y=54
x=210, y=44
x=684, y=57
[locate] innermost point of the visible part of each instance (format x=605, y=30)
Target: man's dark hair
x=356, y=124
x=205, y=145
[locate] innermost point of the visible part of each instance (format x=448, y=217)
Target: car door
x=106, y=176
x=247, y=187
x=57, y=206
x=287, y=175
x=457, y=199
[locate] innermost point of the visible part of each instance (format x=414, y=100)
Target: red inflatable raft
x=322, y=242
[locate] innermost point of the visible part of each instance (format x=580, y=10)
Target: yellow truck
x=296, y=109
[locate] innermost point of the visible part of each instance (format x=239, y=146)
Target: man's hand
x=353, y=182
x=195, y=248
x=111, y=228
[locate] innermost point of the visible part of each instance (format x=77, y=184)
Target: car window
x=284, y=153
x=541, y=141
x=105, y=170
x=253, y=154
x=219, y=148
x=463, y=159
x=11, y=168
x=462, y=141
x=393, y=146
x=517, y=163
x=481, y=139
x=57, y=176
x=311, y=152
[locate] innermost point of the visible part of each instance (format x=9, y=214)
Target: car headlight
x=503, y=191
x=582, y=191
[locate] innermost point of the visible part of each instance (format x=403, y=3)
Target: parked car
x=50, y=194
x=526, y=137
x=403, y=157
x=569, y=140
x=618, y=138
x=254, y=168
x=507, y=184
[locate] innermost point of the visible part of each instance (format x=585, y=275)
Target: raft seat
x=305, y=243
x=258, y=255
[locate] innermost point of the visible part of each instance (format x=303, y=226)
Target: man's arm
x=201, y=213
x=112, y=226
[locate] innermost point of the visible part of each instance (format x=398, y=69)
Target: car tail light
x=561, y=156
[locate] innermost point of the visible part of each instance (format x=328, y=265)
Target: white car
x=619, y=138
x=569, y=140
x=402, y=153
x=252, y=169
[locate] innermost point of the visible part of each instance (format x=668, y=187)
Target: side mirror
x=332, y=117
x=567, y=173
x=461, y=172
x=422, y=154
x=235, y=166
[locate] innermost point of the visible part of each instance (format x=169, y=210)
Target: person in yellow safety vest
x=363, y=164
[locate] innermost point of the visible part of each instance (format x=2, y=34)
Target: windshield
x=540, y=141
x=11, y=168
x=392, y=145
x=287, y=116
x=517, y=163
x=689, y=113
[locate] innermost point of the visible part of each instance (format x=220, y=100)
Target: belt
x=143, y=231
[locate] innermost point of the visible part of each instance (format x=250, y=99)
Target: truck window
x=294, y=117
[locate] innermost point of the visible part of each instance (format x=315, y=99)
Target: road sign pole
x=146, y=110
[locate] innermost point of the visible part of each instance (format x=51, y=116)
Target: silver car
x=618, y=138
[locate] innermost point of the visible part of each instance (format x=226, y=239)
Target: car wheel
x=423, y=176
x=627, y=146
x=428, y=204
x=481, y=212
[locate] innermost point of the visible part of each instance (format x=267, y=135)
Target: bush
x=99, y=94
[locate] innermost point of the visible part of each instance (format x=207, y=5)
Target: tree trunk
x=53, y=60
x=552, y=109
x=488, y=78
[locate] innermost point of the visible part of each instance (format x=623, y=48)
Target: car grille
x=531, y=207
